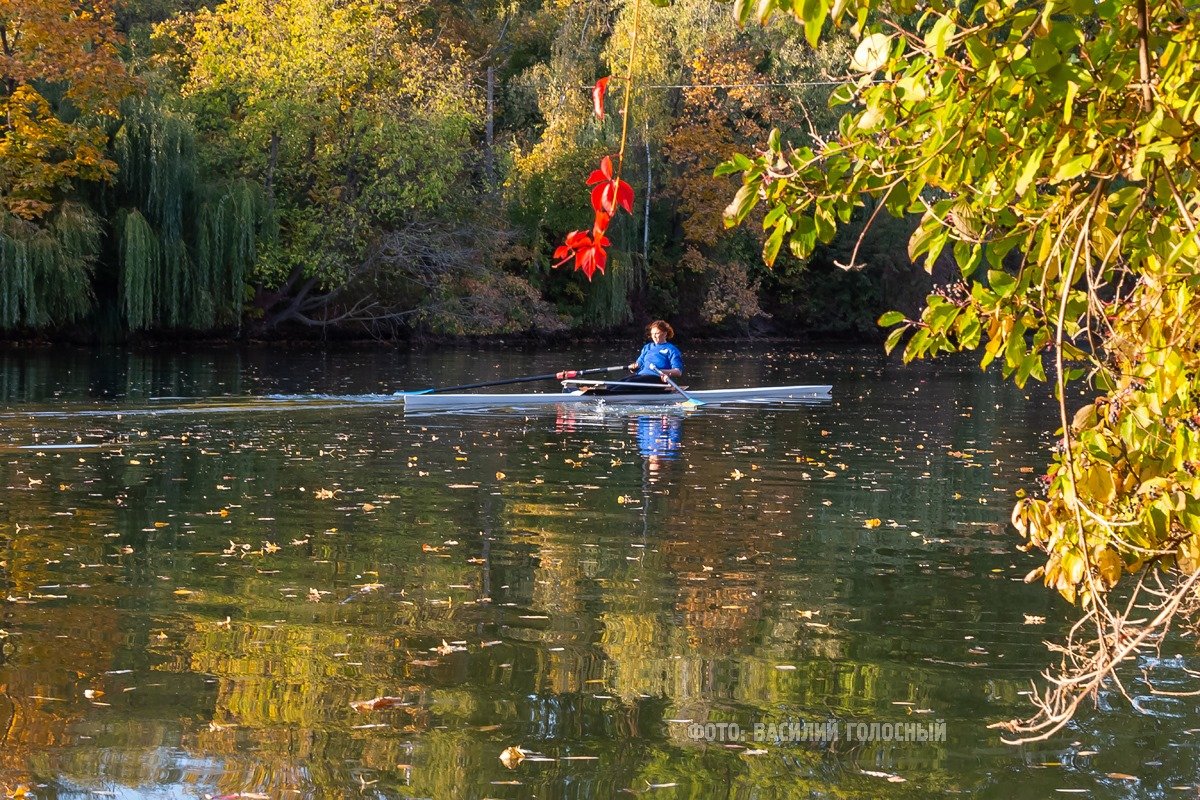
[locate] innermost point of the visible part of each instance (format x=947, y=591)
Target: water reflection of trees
x=608, y=622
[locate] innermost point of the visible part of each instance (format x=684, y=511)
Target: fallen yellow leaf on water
x=872, y=523
x=737, y=474
x=369, y=506
x=323, y=494
x=512, y=756
x=161, y=524
x=500, y=475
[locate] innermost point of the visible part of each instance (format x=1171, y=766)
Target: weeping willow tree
x=46, y=269
x=607, y=303
x=185, y=245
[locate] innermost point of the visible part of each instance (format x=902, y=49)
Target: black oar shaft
x=529, y=379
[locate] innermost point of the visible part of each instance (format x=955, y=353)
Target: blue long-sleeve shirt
x=664, y=356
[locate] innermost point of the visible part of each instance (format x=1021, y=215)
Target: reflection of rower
x=658, y=361
x=659, y=436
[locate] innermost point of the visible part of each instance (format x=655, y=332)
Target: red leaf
x=590, y=260
x=598, y=97
x=625, y=195
x=562, y=252
x=603, y=197
x=597, y=176
x=577, y=239
x=600, y=225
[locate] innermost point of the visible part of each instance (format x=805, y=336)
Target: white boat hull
x=757, y=394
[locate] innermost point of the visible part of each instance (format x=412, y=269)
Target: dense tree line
x=387, y=166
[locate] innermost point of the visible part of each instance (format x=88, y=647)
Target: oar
x=688, y=399
x=561, y=376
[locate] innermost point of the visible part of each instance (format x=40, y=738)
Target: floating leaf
x=512, y=756
x=378, y=704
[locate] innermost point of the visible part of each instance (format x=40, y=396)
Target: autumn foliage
x=609, y=193
x=60, y=77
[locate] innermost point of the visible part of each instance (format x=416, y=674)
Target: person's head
x=659, y=331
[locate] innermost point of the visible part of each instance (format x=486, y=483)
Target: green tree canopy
x=1051, y=148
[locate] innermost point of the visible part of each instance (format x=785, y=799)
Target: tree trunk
x=489, y=159
x=646, y=218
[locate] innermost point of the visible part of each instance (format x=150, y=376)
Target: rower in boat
x=658, y=361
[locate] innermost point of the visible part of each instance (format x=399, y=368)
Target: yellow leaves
x=323, y=494
x=1073, y=567
x=1099, y=483
x=1110, y=566
x=41, y=154
x=737, y=474
x=874, y=522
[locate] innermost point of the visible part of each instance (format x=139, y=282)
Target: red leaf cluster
x=587, y=248
x=609, y=193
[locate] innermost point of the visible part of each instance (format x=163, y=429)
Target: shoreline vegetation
x=181, y=169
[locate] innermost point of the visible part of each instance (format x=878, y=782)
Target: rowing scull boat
x=754, y=394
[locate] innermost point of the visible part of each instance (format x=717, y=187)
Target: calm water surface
x=207, y=559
